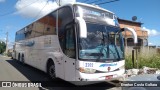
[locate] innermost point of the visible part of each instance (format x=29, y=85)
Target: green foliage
x=128, y=62
x=152, y=61
x=2, y=47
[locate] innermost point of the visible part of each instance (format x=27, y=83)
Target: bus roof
x=93, y=6
x=71, y=4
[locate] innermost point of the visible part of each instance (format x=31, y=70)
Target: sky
x=16, y=14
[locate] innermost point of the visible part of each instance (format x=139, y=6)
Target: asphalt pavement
x=12, y=70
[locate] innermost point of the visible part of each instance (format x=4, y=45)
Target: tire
x=51, y=70
x=22, y=59
x=19, y=57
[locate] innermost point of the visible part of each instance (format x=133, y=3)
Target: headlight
x=87, y=70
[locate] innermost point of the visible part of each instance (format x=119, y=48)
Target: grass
x=146, y=57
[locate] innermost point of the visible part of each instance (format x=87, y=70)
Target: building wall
x=129, y=24
x=142, y=35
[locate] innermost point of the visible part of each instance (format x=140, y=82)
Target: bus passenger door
x=69, y=50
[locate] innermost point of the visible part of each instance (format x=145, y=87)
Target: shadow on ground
x=35, y=75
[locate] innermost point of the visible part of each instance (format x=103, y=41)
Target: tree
x=2, y=47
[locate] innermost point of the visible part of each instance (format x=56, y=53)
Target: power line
x=107, y=2
x=57, y=1
x=41, y=9
x=94, y=1
x=86, y=1
x=9, y=13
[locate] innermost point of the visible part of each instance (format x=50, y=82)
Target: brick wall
x=142, y=35
x=135, y=25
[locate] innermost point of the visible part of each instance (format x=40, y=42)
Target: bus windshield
x=103, y=43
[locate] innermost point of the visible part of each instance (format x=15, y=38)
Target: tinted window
x=49, y=24
x=70, y=41
x=43, y=26
x=20, y=35
x=28, y=31
x=65, y=16
x=46, y=25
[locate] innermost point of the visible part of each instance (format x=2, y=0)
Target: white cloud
x=8, y=27
x=37, y=8
x=34, y=8
x=63, y=2
x=151, y=32
x=2, y=1
x=3, y=39
x=150, y=43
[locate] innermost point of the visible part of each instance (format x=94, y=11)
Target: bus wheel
x=19, y=57
x=51, y=70
x=22, y=59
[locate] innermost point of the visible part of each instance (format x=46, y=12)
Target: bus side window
x=50, y=24
x=65, y=16
x=70, y=42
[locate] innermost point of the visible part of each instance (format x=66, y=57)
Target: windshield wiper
x=102, y=48
x=117, y=51
x=99, y=56
x=94, y=54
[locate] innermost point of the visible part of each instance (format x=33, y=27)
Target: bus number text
x=88, y=64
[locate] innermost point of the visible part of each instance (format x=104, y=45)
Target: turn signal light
x=87, y=70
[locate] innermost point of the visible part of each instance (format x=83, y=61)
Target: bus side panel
x=45, y=48
x=30, y=53
x=19, y=49
x=53, y=49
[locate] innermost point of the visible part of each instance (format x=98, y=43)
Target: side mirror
x=82, y=27
x=134, y=34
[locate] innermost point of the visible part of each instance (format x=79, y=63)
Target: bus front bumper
x=100, y=77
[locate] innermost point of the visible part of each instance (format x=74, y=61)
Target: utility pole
x=59, y=1
x=6, y=42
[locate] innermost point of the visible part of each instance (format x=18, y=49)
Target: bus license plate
x=109, y=77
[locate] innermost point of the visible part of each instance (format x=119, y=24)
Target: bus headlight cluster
x=87, y=70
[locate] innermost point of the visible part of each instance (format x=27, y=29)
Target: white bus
x=76, y=42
